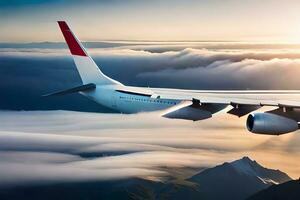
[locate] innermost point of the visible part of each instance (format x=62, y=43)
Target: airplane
x=183, y=104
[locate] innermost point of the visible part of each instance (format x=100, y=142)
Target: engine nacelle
x=270, y=124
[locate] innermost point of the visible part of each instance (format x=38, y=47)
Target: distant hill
x=235, y=181
x=287, y=191
x=94, y=190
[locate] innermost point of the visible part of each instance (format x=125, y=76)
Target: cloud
x=16, y=173
x=76, y=146
x=245, y=74
x=56, y=146
x=28, y=73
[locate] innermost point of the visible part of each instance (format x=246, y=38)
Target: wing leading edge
x=242, y=102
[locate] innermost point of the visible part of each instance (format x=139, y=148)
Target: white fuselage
x=127, y=103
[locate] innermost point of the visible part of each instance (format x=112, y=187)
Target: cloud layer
x=58, y=146
x=29, y=72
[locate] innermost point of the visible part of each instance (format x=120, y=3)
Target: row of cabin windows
x=147, y=100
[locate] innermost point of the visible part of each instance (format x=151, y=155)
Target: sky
x=229, y=20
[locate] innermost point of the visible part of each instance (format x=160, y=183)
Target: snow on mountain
x=252, y=168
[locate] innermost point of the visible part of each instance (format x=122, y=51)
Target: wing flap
x=243, y=109
x=188, y=111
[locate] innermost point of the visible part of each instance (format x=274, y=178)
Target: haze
x=233, y=20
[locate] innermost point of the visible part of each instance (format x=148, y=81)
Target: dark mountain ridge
x=288, y=191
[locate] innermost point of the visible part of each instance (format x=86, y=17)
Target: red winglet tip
x=72, y=42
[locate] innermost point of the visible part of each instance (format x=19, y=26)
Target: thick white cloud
x=197, y=66
x=54, y=146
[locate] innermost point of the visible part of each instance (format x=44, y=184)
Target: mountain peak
x=245, y=159
x=236, y=180
x=246, y=165
x=251, y=168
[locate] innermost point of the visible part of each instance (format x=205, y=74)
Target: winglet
x=72, y=41
x=88, y=70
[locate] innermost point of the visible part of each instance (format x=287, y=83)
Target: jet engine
x=270, y=124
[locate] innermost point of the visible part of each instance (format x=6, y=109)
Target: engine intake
x=270, y=124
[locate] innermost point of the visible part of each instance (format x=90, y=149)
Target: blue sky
x=34, y=20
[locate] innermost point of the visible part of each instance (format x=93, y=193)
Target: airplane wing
x=242, y=102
